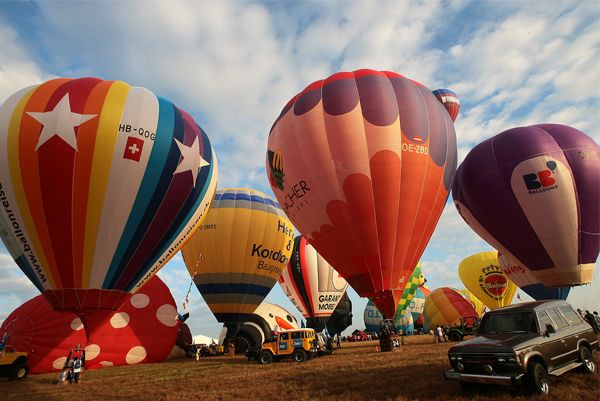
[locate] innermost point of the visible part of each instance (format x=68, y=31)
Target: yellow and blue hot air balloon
x=101, y=183
x=239, y=252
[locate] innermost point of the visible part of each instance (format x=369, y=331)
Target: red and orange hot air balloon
x=362, y=163
x=101, y=183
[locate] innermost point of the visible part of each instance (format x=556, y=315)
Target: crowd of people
x=592, y=318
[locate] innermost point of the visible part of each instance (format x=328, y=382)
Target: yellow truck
x=298, y=344
x=13, y=364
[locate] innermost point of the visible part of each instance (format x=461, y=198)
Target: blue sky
x=233, y=66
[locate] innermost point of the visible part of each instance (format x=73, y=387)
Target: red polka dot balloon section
x=142, y=330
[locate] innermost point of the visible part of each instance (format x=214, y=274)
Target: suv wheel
x=265, y=357
x=299, y=355
x=587, y=359
x=537, y=378
x=18, y=372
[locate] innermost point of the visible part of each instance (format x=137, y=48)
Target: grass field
x=356, y=372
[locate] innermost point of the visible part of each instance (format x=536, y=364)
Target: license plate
x=452, y=374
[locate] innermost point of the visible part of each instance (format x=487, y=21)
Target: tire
x=586, y=357
x=18, y=371
x=537, y=379
x=300, y=355
x=265, y=358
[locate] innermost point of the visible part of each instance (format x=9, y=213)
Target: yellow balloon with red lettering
x=482, y=275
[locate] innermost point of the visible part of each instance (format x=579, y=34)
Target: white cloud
x=15, y=287
x=17, y=69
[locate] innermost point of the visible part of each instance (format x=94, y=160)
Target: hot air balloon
x=101, y=183
x=533, y=194
x=362, y=163
x=477, y=304
x=445, y=307
x=239, y=252
x=449, y=100
x=312, y=284
x=482, y=275
x=528, y=282
x=416, y=279
x=143, y=330
x=417, y=304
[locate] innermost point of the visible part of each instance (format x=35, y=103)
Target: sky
x=234, y=65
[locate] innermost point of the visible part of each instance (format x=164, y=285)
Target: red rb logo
x=542, y=178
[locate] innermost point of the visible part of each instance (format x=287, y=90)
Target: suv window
x=544, y=319
x=296, y=335
x=559, y=321
x=508, y=322
x=284, y=336
x=571, y=316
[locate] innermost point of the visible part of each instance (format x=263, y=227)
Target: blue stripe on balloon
x=142, y=210
x=251, y=289
x=195, y=199
x=247, y=197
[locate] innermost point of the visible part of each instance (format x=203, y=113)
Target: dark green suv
x=522, y=344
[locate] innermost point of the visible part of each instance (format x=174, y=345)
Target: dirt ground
x=356, y=372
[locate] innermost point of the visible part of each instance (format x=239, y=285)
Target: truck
x=13, y=364
x=297, y=344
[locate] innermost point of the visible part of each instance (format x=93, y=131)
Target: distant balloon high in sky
x=362, y=163
x=449, y=100
x=312, y=284
x=482, y=275
x=101, y=183
x=528, y=282
x=533, y=193
x=239, y=252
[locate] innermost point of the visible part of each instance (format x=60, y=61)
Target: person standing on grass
x=591, y=319
x=339, y=341
x=75, y=370
x=440, y=334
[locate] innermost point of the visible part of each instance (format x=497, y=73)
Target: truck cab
x=13, y=364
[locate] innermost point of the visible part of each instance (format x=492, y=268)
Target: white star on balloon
x=60, y=122
x=192, y=160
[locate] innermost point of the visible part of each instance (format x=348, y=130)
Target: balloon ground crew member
x=75, y=370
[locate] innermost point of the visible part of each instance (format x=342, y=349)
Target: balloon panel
x=362, y=163
x=533, y=194
x=101, y=184
x=482, y=275
x=239, y=252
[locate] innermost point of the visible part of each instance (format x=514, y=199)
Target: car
x=467, y=326
x=520, y=345
x=298, y=344
x=13, y=364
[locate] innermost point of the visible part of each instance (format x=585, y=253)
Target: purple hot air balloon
x=534, y=194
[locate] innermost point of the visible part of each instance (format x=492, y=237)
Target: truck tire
x=537, y=378
x=299, y=355
x=587, y=359
x=264, y=358
x=18, y=371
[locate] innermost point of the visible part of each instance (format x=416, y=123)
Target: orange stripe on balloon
x=30, y=198
x=86, y=140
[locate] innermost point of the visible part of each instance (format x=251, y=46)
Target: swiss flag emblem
x=133, y=149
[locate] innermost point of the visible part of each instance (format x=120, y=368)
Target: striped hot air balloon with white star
x=101, y=183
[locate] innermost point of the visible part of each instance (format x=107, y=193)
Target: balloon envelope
x=341, y=318
x=528, y=282
x=362, y=163
x=445, y=306
x=403, y=320
x=239, y=252
x=449, y=100
x=417, y=304
x=482, y=275
x=416, y=279
x=143, y=330
x=533, y=194
x=312, y=284
x=101, y=185
x=477, y=304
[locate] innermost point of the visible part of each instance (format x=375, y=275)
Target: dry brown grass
x=357, y=372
